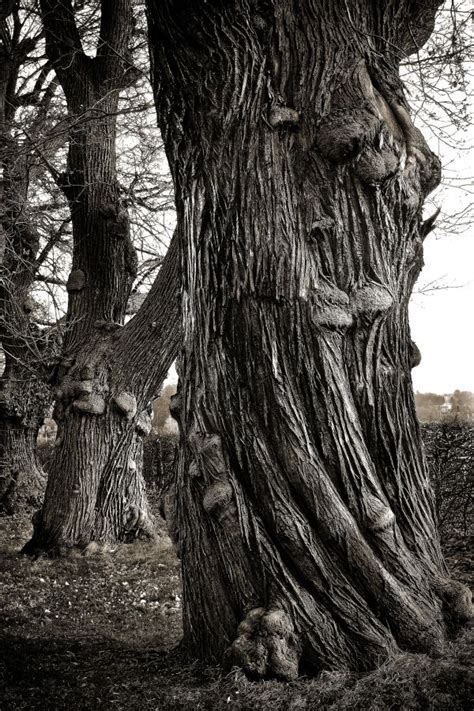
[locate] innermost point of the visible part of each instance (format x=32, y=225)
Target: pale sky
x=442, y=322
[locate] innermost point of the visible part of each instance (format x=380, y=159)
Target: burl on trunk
x=304, y=512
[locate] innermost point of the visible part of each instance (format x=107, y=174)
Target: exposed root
x=266, y=646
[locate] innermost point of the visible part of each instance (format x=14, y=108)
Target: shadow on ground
x=102, y=633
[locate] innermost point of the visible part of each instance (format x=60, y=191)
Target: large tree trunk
x=82, y=504
x=304, y=512
x=96, y=492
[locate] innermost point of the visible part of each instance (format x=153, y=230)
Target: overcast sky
x=442, y=322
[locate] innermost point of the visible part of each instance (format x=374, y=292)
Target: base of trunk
x=22, y=479
x=137, y=525
x=90, y=514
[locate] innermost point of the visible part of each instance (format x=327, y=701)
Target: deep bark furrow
x=299, y=201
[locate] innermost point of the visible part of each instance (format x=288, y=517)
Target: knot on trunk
x=126, y=404
x=82, y=387
x=266, y=645
x=137, y=523
x=194, y=471
x=209, y=461
x=283, y=116
x=143, y=425
x=76, y=280
x=218, y=500
x=457, y=599
x=29, y=305
x=331, y=307
x=371, y=299
x=83, y=393
x=414, y=355
x=116, y=218
x=379, y=517
x=418, y=152
x=320, y=226
x=209, y=452
x=345, y=132
x=87, y=372
x=175, y=406
x=378, y=162
x=92, y=404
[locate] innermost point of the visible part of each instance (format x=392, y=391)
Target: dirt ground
x=100, y=632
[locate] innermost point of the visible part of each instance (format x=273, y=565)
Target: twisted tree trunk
x=83, y=502
x=304, y=512
x=96, y=493
x=24, y=393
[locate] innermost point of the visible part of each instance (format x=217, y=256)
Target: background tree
x=462, y=406
x=35, y=131
x=306, y=523
x=96, y=489
x=428, y=406
x=28, y=236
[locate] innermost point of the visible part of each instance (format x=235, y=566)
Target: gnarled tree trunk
x=83, y=504
x=24, y=393
x=96, y=492
x=304, y=512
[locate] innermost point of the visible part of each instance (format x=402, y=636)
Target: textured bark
x=95, y=492
x=104, y=260
x=24, y=394
x=304, y=512
x=22, y=480
x=103, y=269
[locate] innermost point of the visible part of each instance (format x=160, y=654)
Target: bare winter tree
x=28, y=350
x=35, y=128
x=304, y=513
x=108, y=373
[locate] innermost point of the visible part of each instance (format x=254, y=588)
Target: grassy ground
x=99, y=632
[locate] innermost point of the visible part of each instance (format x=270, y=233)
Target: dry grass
x=99, y=632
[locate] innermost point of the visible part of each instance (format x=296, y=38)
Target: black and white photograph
x=236, y=355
